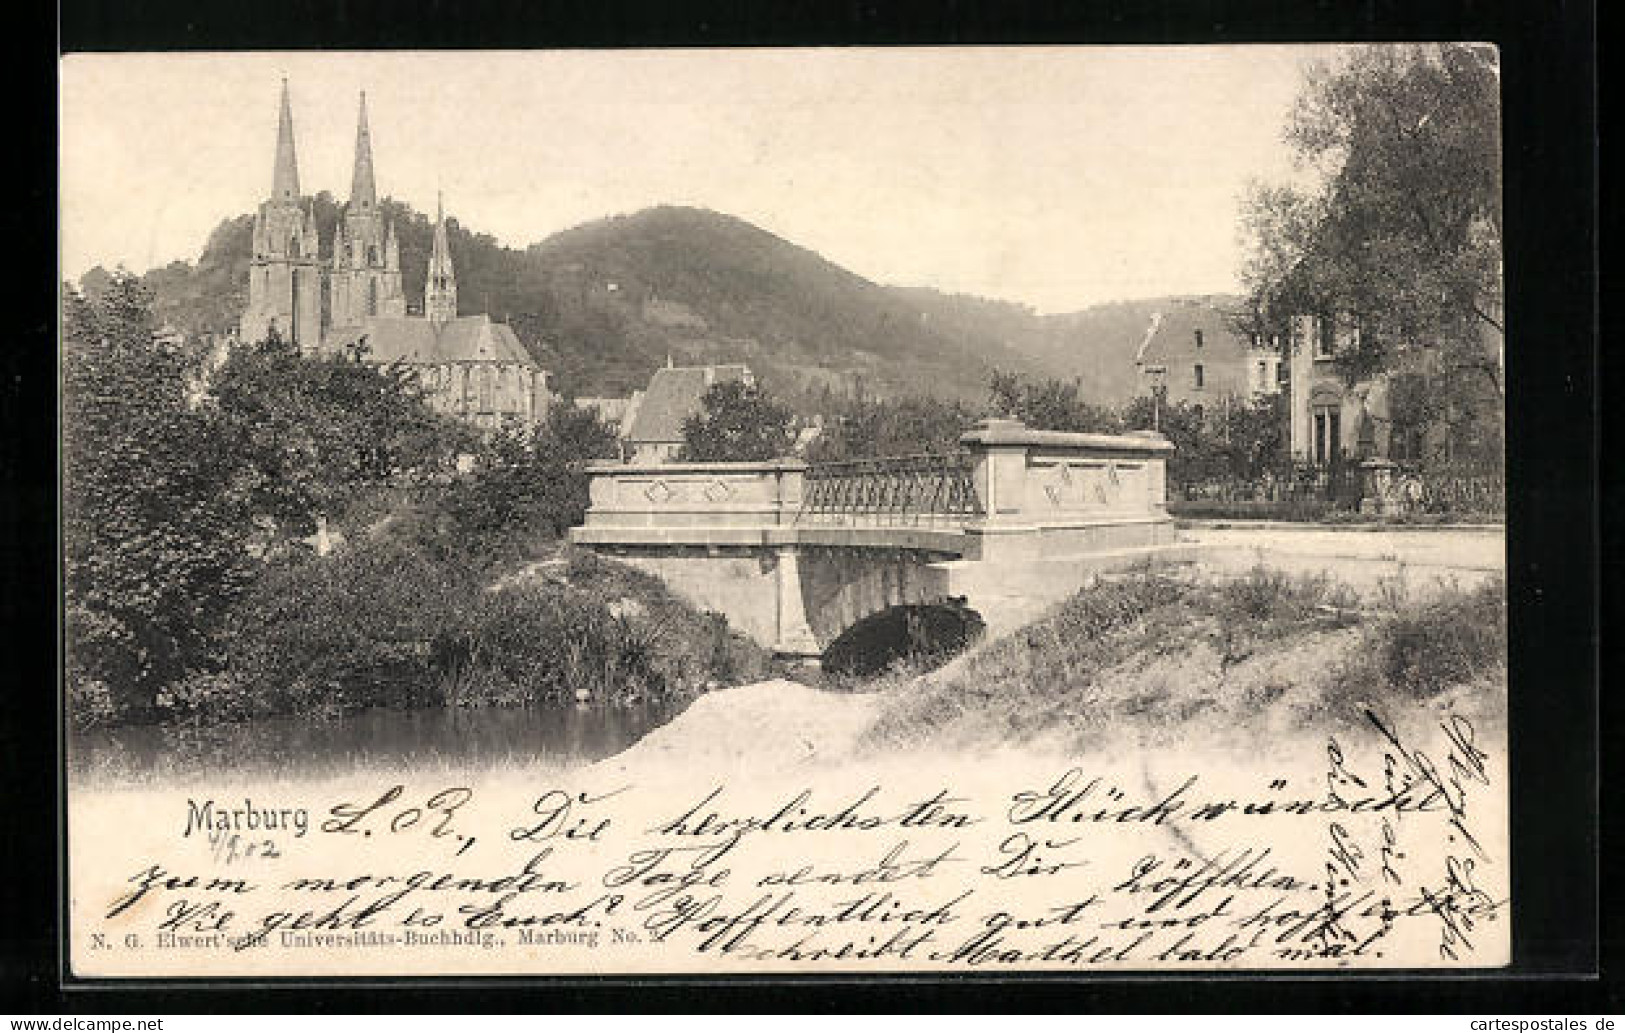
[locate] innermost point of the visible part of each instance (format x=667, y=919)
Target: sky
x=1058, y=177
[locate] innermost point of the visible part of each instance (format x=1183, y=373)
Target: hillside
x=1095, y=345
x=603, y=304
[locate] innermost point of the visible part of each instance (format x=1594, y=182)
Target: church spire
x=440, y=286
x=363, y=189
x=285, y=178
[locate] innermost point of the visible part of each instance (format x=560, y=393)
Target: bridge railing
x=933, y=490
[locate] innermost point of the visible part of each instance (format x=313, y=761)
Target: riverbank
x=1269, y=635
x=1147, y=663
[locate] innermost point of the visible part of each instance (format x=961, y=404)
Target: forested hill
x=603, y=304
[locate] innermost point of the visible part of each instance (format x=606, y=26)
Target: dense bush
x=1424, y=649
x=531, y=644
x=525, y=485
x=911, y=425
x=382, y=623
x=324, y=635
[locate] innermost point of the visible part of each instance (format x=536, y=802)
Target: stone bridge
x=797, y=555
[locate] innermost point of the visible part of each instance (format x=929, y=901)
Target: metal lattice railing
x=892, y=491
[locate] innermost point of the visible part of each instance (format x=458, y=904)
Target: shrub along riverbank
x=382, y=623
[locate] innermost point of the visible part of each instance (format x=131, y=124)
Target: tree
x=911, y=425
x=153, y=528
x=737, y=422
x=563, y=445
x=312, y=436
x=1401, y=233
x=1049, y=405
x=532, y=484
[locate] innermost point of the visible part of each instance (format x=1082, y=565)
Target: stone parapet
x=1034, y=477
x=764, y=494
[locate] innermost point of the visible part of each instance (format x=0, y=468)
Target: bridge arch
x=933, y=632
x=841, y=587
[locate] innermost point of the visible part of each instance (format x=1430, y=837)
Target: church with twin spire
x=350, y=297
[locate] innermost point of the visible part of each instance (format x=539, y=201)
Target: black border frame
x=1549, y=107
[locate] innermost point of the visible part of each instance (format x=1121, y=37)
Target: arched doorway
x=1325, y=424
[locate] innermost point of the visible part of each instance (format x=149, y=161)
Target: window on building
x=1199, y=377
x=1198, y=338
x=1328, y=435
x=486, y=386
x=1325, y=339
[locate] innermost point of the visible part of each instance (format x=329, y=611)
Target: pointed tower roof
x=440, y=285
x=440, y=258
x=285, y=178
x=363, y=188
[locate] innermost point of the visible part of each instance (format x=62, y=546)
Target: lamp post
x=1159, y=388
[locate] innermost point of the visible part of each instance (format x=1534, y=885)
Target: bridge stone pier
x=796, y=555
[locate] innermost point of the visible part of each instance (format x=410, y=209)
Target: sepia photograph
x=807, y=510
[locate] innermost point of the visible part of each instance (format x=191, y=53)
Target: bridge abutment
x=793, y=635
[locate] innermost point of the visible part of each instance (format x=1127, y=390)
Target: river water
x=549, y=737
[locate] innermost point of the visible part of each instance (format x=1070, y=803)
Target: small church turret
x=440, y=286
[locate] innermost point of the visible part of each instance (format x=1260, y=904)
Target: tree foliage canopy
x=737, y=422
x=1049, y=405
x=312, y=435
x=911, y=425
x=528, y=484
x=153, y=526
x=1402, y=231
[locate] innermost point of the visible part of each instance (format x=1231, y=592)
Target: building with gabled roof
x=655, y=433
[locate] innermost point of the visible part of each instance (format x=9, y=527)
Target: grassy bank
x=1158, y=658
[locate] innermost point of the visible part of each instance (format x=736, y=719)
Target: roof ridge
x=1150, y=332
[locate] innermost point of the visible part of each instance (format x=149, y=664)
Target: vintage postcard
x=843, y=510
